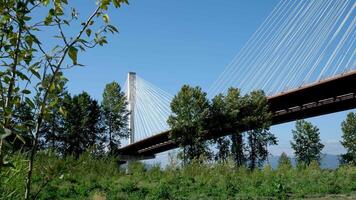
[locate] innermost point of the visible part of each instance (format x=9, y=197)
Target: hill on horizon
x=328, y=161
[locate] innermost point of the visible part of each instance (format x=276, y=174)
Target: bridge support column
x=131, y=105
x=131, y=94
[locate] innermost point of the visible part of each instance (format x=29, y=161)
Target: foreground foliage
x=89, y=178
x=38, y=40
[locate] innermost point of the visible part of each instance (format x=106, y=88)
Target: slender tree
x=306, y=142
x=349, y=139
x=217, y=124
x=284, y=161
x=233, y=103
x=258, y=119
x=223, y=146
x=190, y=109
x=115, y=113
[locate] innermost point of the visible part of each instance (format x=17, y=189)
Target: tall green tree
x=349, y=138
x=306, y=142
x=83, y=125
x=217, y=122
x=190, y=110
x=258, y=120
x=115, y=113
x=233, y=103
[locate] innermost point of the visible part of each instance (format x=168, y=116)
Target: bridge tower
x=131, y=93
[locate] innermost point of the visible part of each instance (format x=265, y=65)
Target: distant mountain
x=328, y=161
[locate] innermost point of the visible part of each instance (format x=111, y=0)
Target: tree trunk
x=237, y=149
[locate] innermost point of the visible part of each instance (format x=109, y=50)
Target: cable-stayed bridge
x=302, y=56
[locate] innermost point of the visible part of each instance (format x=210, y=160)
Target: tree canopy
x=306, y=142
x=190, y=108
x=115, y=114
x=196, y=120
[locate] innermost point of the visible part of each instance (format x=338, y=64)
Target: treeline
x=77, y=123
x=243, y=124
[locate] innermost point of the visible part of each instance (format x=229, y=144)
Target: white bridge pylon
x=149, y=108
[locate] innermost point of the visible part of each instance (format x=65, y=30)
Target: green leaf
x=104, y=4
x=117, y=3
x=35, y=72
x=52, y=87
x=88, y=32
x=113, y=29
x=73, y=53
x=29, y=102
x=48, y=19
x=58, y=9
x=21, y=138
x=29, y=40
x=26, y=91
x=62, y=111
x=35, y=39
x=45, y=2
x=106, y=18
x=22, y=76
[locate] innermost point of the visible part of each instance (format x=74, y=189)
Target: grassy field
x=89, y=178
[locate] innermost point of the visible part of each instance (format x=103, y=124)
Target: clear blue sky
x=171, y=43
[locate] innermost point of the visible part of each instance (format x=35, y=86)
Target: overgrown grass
x=89, y=178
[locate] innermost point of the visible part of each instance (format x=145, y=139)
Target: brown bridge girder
x=327, y=96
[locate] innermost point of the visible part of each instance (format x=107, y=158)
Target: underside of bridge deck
x=320, y=98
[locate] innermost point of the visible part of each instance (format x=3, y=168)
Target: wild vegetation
x=90, y=178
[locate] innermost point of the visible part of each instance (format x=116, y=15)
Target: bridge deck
x=327, y=96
